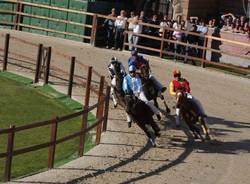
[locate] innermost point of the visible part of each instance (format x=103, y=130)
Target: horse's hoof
x=158, y=117
x=208, y=138
x=129, y=124
x=115, y=105
x=152, y=142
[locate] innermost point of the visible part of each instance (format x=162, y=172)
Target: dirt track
x=124, y=157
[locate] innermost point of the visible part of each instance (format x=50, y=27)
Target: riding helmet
x=131, y=68
x=114, y=60
x=176, y=72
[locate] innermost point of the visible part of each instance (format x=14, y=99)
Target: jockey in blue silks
x=137, y=61
x=132, y=85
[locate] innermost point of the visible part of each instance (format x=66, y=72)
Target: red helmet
x=176, y=72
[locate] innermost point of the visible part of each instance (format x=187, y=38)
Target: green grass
x=21, y=103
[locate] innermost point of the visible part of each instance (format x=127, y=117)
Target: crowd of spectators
x=234, y=24
x=115, y=30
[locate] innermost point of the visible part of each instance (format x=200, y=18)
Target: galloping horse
x=193, y=116
x=143, y=116
x=118, y=91
x=149, y=88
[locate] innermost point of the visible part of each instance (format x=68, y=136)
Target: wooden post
x=203, y=64
x=46, y=81
x=17, y=15
x=85, y=116
x=106, y=109
x=52, y=148
x=6, y=51
x=71, y=76
x=162, y=43
x=10, y=146
x=99, y=111
x=18, y=19
x=38, y=63
x=93, y=31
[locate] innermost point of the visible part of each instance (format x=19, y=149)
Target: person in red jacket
x=180, y=83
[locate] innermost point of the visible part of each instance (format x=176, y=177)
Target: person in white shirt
x=137, y=29
x=120, y=25
x=131, y=28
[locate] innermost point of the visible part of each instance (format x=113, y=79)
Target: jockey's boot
x=158, y=117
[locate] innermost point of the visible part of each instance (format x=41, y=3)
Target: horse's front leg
x=113, y=95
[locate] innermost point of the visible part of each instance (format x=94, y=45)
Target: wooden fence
x=96, y=18
x=101, y=107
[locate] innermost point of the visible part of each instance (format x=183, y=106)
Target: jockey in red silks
x=180, y=83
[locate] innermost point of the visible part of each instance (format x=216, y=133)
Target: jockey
x=180, y=83
x=115, y=63
x=132, y=85
x=111, y=68
x=138, y=61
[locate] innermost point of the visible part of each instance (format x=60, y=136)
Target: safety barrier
x=101, y=108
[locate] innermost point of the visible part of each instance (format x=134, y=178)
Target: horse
x=118, y=91
x=149, y=88
x=142, y=115
x=193, y=116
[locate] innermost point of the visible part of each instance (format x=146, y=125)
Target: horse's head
x=181, y=96
x=117, y=70
x=130, y=101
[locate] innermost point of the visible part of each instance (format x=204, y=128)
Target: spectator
x=246, y=28
x=215, y=44
x=109, y=25
x=164, y=24
x=152, y=30
x=177, y=22
x=177, y=35
x=203, y=30
x=137, y=29
x=120, y=25
x=130, y=28
x=192, y=40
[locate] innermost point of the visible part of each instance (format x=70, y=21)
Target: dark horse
x=143, y=116
x=193, y=116
x=149, y=88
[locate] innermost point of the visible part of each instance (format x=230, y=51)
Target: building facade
x=205, y=9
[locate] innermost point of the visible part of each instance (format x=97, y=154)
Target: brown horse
x=193, y=116
x=149, y=88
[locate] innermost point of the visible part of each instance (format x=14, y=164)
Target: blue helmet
x=131, y=68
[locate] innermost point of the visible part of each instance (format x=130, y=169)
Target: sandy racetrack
x=124, y=157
